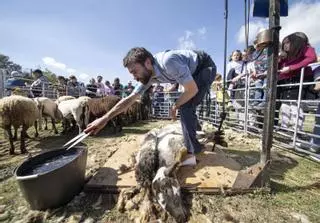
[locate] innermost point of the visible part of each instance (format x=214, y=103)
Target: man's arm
x=121, y=106
x=190, y=90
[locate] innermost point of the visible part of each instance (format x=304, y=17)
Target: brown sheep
x=100, y=106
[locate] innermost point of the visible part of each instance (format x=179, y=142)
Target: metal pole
x=225, y=53
x=298, y=109
x=246, y=16
x=274, y=26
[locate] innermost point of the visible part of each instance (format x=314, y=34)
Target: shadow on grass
x=279, y=165
x=277, y=187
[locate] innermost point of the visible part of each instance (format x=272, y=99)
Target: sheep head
x=166, y=189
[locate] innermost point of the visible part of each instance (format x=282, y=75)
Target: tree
x=50, y=75
x=5, y=63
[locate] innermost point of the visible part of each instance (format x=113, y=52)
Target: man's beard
x=145, y=77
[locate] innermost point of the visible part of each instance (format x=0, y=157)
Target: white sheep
x=76, y=109
x=64, y=98
x=18, y=111
x=48, y=108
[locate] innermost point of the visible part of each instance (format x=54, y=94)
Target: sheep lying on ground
x=48, y=108
x=77, y=110
x=160, y=152
x=100, y=106
x=18, y=111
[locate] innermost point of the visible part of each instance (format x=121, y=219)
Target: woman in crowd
x=297, y=53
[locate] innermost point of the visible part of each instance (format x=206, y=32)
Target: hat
x=15, y=74
x=263, y=38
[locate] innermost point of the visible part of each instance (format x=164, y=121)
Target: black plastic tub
x=52, y=179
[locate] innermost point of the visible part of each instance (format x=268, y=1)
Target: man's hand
x=285, y=70
x=173, y=113
x=95, y=126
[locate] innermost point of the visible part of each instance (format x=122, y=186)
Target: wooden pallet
x=215, y=173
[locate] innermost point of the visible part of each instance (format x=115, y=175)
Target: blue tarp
x=261, y=8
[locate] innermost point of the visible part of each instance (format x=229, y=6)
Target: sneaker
x=315, y=149
x=190, y=161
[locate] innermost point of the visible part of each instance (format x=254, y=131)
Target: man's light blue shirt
x=173, y=66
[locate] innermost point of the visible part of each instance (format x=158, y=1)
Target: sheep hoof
x=12, y=152
x=56, y=132
x=35, y=135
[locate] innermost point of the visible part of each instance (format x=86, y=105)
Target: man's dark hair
x=38, y=71
x=137, y=55
x=61, y=78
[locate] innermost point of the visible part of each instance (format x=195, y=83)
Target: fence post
x=268, y=123
x=2, y=79
x=298, y=108
x=43, y=90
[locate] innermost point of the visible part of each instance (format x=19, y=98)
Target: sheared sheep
x=100, y=106
x=18, y=111
x=48, y=108
x=77, y=110
x=160, y=153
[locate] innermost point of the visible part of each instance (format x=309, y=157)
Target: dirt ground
x=294, y=197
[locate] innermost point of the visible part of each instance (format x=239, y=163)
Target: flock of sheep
x=19, y=111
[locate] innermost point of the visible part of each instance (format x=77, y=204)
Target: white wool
x=47, y=108
x=160, y=174
x=74, y=108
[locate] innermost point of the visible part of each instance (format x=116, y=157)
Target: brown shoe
x=317, y=87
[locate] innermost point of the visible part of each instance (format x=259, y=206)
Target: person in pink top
x=299, y=54
x=296, y=53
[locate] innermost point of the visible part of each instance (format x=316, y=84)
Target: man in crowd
x=40, y=85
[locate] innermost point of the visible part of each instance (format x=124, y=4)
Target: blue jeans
x=260, y=93
x=188, y=115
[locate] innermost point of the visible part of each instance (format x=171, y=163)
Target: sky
x=90, y=38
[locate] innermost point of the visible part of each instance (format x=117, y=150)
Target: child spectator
x=109, y=88
x=91, y=88
x=101, y=88
x=73, y=87
x=259, y=76
x=117, y=87
x=61, y=87
x=298, y=54
x=128, y=89
x=234, y=71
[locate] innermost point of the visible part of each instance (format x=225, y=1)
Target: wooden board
x=214, y=171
